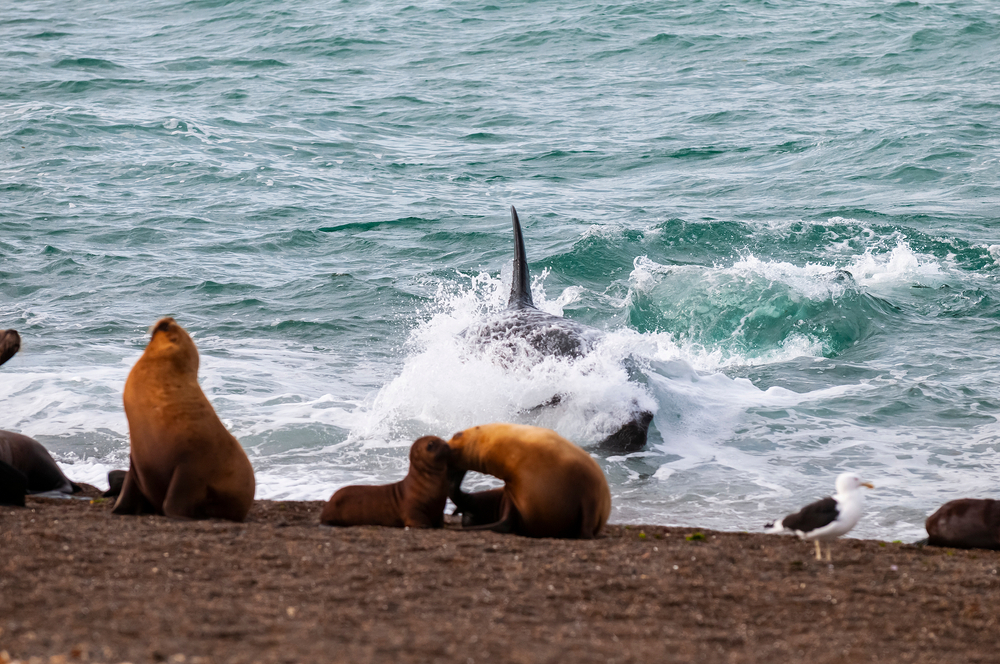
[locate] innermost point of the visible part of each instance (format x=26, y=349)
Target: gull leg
x=829, y=558
x=819, y=555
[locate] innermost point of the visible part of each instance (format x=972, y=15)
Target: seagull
x=829, y=518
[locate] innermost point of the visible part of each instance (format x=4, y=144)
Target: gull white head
x=850, y=482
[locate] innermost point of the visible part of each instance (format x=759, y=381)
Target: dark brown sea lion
x=183, y=461
x=966, y=523
x=416, y=501
x=30, y=457
x=10, y=343
x=552, y=487
x=13, y=485
x=116, y=479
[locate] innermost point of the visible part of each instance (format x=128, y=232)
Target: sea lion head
x=169, y=341
x=10, y=343
x=430, y=454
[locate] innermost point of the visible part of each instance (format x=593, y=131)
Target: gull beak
x=868, y=484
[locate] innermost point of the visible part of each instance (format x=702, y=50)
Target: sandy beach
x=80, y=584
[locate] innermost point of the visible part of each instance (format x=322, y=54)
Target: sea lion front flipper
x=482, y=508
x=131, y=499
x=116, y=478
x=189, y=497
x=186, y=495
x=477, y=509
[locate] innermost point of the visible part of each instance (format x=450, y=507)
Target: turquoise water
x=785, y=217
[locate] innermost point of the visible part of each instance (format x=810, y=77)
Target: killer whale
x=549, y=335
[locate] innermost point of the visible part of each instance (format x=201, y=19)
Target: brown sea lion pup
x=183, y=462
x=552, y=487
x=967, y=523
x=10, y=343
x=416, y=501
x=27, y=455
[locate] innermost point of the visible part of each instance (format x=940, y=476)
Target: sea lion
x=116, y=479
x=416, y=501
x=10, y=343
x=966, y=523
x=549, y=335
x=552, y=488
x=13, y=485
x=30, y=457
x=183, y=463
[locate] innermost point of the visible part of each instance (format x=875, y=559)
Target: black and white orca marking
x=10, y=343
x=829, y=518
x=550, y=335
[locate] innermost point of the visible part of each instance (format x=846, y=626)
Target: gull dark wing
x=812, y=516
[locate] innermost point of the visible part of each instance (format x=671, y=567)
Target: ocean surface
x=785, y=216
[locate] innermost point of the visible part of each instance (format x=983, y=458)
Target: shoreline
x=80, y=584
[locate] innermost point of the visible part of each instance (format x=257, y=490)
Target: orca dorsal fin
x=520, y=283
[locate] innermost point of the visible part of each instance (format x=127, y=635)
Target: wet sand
x=80, y=584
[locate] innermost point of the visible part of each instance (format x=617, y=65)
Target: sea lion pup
x=183, y=463
x=966, y=523
x=552, y=487
x=31, y=459
x=10, y=343
x=416, y=501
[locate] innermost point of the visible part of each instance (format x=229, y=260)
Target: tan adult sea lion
x=10, y=343
x=966, y=523
x=552, y=488
x=416, y=501
x=183, y=461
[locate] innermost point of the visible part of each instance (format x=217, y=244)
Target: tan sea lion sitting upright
x=416, y=501
x=552, y=487
x=183, y=461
